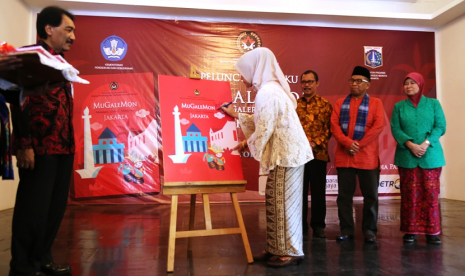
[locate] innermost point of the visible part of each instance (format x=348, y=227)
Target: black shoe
x=409, y=238
x=344, y=237
x=370, y=238
x=53, y=269
x=432, y=239
x=38, y=273
x=319, y=233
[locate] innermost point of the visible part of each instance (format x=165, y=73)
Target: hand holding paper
x=33, y=66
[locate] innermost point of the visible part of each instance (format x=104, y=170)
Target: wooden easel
x=193, y=188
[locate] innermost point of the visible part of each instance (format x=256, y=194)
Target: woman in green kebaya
x=417, y=123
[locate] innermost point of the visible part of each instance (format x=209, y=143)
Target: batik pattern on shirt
x=315, y=117
x=44, y=122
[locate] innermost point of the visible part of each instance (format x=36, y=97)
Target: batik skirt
x=419, y=210
x=284, y=211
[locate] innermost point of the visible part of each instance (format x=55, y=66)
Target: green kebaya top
x=426, y=121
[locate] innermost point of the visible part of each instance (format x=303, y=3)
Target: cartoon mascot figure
x=132, y=169
x=127, y=168
x=210, y=157
x=139, y=172
x=220, y=160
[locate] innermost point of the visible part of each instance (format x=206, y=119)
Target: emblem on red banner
x=113, y=85
x=373, y=56
x=247, y=41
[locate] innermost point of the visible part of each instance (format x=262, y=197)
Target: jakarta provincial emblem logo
x=247, y=41
x=113, y=48
x=373, y=56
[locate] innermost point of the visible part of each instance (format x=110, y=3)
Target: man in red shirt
x=44, y=145
x=356, y=123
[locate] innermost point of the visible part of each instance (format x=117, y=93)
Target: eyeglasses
x=358, y=81
x=308, y=82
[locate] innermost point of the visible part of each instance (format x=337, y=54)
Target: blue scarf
x=362, y=115
x=6, y=169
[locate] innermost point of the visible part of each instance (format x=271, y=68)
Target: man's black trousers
x=40, y=205
x=315, y=178
x=369, y=181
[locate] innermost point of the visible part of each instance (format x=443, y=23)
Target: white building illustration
x=225, y=137
x=144, y=143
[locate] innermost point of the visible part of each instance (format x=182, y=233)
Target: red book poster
x=116, y=136
x=197, y=137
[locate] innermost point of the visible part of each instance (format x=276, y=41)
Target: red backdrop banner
x=108, y=46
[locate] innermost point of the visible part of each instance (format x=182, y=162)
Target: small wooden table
x=204, y=187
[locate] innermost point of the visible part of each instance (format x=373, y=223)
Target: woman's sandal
x=262, y=257
x=278, y=263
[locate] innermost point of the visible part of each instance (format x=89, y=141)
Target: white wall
x=376, y=8
x=450, y=71
x=15, y=28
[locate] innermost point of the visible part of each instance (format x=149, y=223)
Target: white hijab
x=259, y=67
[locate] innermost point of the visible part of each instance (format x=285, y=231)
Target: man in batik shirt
x=315, y=116
x=44, y=147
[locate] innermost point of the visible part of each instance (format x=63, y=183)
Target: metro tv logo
x=389, y=184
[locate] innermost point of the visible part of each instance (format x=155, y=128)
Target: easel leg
x=191, y=221
x=240, y=220
x=206, y=208
x=172, y=234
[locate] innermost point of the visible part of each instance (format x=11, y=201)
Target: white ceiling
x=375, y=14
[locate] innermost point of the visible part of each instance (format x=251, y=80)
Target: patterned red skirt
x=419, y=209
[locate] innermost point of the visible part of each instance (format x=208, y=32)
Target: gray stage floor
x=133, y=240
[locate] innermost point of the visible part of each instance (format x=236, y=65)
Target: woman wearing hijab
x=417, y=123
x=275, y=138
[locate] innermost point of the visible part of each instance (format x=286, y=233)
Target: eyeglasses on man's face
x=358, y=81
x=308, y=82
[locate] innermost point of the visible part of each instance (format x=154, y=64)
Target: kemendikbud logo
x=113, y=48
